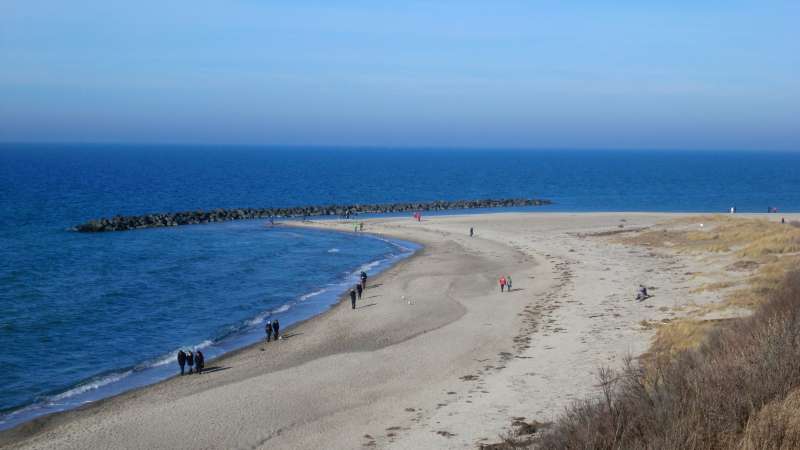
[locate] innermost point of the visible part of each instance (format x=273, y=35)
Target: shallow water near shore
x=83, y=316
x=120, y=332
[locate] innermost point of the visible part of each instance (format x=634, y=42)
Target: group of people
x=418, y=216
x=358, y=227
x=358, y=290
x=273, y=329
x=770, y=209
x=195, y=360
x=505, y=283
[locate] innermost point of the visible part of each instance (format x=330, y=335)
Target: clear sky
x=540, y=74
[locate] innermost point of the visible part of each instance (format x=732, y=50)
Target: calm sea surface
x=83, y=316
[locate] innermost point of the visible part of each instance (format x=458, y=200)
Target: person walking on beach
x=199, y=361
x=190, y=360
x=508, y=283
x=268, y=330
x=471, y=232
x=502, y=283
x=359, y=290
x=353, y=297
x=181, y=359
x=361, y=226
x=363, y=280
x=276, y=328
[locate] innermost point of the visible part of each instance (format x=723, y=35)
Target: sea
x=87, y=316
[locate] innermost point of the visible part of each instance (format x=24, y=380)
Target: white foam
x=333, y=250
x=312, y=294
x=203, y=344
x=368, y=266
x=90, y=386
x=282, y=308
x=257, y=319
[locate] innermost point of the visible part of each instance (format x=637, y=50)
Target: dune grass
x=764, y=248
x=739, y=389
x=706, y=384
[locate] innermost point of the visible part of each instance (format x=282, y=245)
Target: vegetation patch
x=739, y=388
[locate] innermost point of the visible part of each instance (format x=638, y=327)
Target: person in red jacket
x=502, y=283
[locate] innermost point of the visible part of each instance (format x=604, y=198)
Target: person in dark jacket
x=359, y=290
x=353, y=298
x=363, y=280
x=276, y=327
x=268, y=330
x=190, y=360
x=199, y=361
x=181, y=359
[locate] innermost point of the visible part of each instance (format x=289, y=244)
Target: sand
x=435, y=356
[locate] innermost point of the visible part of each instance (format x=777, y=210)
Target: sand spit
x=434, y=357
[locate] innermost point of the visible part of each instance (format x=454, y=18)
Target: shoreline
x=449, y=370
x=370, y=340
x=228, y=346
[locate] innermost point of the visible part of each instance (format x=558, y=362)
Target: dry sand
x=434, y=356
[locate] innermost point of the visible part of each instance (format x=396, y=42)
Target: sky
x=680, y=74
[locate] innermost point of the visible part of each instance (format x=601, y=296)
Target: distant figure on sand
x=363, y=280
x=359, y=290
x=502, y=283
x=268, y=330
x=181, y=359
x=190, y=360
x=361, y=226
x=471, y=231
x=642, y=294
x=276, y=328
x=199, y=361
x=508, y=283
x=353, y=297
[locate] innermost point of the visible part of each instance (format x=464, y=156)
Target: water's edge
x=146, y=373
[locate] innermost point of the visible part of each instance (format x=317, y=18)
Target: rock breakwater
x=123, y=223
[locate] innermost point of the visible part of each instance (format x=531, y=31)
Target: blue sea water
x=83, y=316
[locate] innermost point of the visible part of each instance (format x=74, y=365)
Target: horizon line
x=384, y=147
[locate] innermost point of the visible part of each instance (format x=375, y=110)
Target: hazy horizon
x=445, y=75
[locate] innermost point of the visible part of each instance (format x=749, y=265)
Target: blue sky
x=538, y=74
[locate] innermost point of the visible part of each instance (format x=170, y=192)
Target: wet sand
x=434, y=356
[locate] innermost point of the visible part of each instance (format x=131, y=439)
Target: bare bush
x=740, y=389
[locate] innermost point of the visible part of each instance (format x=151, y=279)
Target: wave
x=369, y=266
x=90, y=385
x=333, y=250
x=103, y=380
x=155, y=369
x=312, y=294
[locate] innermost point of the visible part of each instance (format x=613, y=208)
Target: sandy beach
x=435, y=356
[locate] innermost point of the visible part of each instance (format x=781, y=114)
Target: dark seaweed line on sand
x=123, y=223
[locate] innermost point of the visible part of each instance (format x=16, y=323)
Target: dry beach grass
x=464, y=366
x=707, y=383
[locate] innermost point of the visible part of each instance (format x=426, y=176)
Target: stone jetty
x=123, y=223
